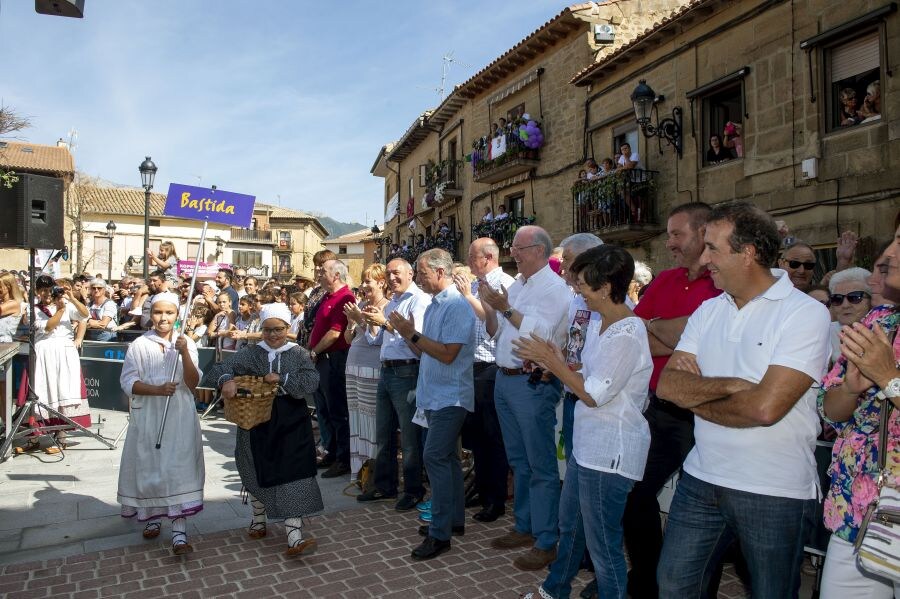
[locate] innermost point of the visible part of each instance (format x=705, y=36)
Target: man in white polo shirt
x=745, y=366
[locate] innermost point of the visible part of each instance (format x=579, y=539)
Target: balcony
x=507, y=154
x=443, y=182
x=502, y=231
x=251, y=235
x=620, y=207
x=508, y=165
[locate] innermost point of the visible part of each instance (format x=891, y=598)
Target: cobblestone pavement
x=362, y=553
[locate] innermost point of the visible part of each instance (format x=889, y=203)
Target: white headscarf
x=281, y=312
x=166, y=296
x=169, y=298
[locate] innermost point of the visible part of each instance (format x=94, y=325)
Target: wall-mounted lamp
x=645, y=101
x=220, y=243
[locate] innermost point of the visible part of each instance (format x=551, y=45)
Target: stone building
x=435, y=174
x=769, y=73
x=778, y=69
x=356, y=250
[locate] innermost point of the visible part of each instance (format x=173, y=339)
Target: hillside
x=336, y=228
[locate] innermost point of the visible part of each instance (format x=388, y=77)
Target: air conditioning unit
x=604, y=33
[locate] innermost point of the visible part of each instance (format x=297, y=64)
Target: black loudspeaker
x=60, y=8
x=32, y=213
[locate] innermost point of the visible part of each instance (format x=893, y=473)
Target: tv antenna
x=73, y=139
x=447, y=60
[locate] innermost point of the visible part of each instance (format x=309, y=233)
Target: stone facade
x=691, y=52
x=788, y=103
x=532, y=77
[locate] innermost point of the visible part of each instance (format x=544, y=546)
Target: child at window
x=849, y=114
x=732, y=138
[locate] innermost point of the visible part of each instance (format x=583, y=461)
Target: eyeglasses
x=798, y=264
x=854, y=297
x=275, y=331
x=523, y=247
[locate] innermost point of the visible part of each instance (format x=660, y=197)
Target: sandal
x=28, y=447
x=257, y=530
x=52, y=450
x=180, y=546
x=303, y=547
x=151, y=530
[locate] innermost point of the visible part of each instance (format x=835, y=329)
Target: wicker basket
x=254, y=407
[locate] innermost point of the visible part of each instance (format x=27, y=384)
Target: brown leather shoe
x=535, y=559
x=513, y=540
x=304, y=547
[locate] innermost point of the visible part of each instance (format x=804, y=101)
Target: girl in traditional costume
x=166, y=482
x=276, y=459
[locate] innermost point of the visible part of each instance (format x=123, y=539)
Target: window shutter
x=855, y=57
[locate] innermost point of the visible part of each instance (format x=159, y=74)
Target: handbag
x=878, y=542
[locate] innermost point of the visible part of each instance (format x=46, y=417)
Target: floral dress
x=854, y=465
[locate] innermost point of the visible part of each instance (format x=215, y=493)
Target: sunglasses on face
x=797, y=264
x=854, y=297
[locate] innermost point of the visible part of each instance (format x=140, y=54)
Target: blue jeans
x=392, y=409
x=568, y=427
x=705, y=518
x=590, y=513
x=527, y=415
x=448, y=502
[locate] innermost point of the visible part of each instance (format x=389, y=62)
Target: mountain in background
x=335, y=228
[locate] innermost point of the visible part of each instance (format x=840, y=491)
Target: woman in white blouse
x=611, y=436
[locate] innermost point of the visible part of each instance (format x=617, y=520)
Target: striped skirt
x=362, y=384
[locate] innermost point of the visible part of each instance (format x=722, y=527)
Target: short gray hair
x=488, y=248
x=340, y=268
x=541, y=237
x=436, y=258
x=642, y=273
x=851, y=274
x=580, y=242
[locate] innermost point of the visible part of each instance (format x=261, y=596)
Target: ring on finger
x=861, y=353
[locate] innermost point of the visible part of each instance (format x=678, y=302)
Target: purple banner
x=215, y=205
x=208, y=270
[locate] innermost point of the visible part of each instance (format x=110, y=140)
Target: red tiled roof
x=37, y=158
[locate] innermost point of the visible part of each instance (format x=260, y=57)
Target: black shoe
x=374, y=495
x=430, y=548
x=590, y=591
x=457, y=531
x=407, y=502
x=337, y=469
x=490, y=513
x=325, y=462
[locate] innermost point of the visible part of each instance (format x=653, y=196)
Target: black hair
x=44, y=282
x=606, y=264
x=752, y=226
x=698, y=213
x=229, y=274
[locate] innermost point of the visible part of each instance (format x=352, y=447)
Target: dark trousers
x=336, y=417
x=393, y=409
x=482, y=435
x=671, y=439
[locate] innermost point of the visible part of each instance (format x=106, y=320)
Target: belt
x=511, y=371
x=395, y=363
x=481, y=366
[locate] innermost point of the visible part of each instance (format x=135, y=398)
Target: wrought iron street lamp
x=148, y=173
x=645, y=102
x=110, y=233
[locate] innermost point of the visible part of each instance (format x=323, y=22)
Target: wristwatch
x=892, y=389
x=415, y=338
x=507, y=314
x=312, y=354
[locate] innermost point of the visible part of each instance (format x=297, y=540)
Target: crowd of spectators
x=725, y=369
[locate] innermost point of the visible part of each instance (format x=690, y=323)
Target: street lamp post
x=148, y=173
x=110, y=232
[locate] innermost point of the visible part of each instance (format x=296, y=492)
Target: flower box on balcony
x=619, y=207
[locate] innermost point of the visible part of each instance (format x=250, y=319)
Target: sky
x=286, y=100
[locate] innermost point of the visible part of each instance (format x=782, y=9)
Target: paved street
x=61, y=536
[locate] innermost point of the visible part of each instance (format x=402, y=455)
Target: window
x=193, y=248
x=450, y=176
x=101, y=253
x=722, y=117
x=342, y=250
x=284, y=265
x=513, y=113
x=626, y=134
x=410, y=187
x=853, y=77
x=253, y=223
x=247, y=258
x=516, y=205
x=284, y=239
x=154, y=222
x=423, y=176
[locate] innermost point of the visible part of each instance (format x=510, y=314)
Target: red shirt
x=672, y=295
x=330, y=317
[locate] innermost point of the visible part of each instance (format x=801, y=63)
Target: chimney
x=61, y=143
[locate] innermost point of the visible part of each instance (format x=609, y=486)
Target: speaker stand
x=32, y=405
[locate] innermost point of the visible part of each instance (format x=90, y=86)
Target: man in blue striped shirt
x=445, y=392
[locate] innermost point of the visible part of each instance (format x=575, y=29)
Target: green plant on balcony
x=437, y=179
